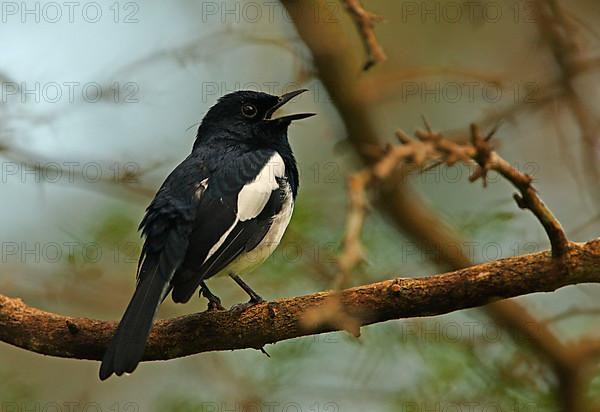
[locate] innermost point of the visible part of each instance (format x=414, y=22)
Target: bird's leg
x=254, y=297
x=214, y=303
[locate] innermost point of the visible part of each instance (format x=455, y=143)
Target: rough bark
x=51, y=334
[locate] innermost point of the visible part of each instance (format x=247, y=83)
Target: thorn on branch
x=492, y=132
x=483, y=152
x=520, y=202
x=426, y=123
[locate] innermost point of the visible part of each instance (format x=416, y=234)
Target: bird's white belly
x=247, y=262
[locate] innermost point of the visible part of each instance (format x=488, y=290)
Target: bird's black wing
x=237, y=211
x=166, y=226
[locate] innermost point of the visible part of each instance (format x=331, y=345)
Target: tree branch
x=51, y=334
x=365, y=23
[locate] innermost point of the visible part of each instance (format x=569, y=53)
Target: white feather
x=217, y=245
x=201, y=188
x=254, y=196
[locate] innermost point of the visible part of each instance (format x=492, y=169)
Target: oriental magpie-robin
x=223, y=210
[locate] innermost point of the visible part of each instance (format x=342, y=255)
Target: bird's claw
x=214, y=306
x=240, y=307
x=214, y=302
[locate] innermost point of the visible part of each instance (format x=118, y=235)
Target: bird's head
x=248, y=116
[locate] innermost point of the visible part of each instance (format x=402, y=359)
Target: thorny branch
x=431, y=147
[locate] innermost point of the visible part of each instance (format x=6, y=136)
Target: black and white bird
x=223, y=210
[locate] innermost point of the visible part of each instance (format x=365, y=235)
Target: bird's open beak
x=283, y=99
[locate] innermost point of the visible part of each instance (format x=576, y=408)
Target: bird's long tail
x=127, y=347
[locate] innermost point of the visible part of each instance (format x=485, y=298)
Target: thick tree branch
x=81, y=338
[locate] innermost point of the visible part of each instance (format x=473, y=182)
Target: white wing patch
x=201, y=188
x=254, y=196
x=217, y=245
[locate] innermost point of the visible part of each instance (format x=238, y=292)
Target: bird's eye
x=249, y=111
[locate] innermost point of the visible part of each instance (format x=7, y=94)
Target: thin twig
x=365, y=22
x=487, y=159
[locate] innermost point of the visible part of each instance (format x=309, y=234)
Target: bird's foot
x=254, y=300
x=215, y=306
x=214, y=302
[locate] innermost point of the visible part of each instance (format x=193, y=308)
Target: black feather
x=127, y=347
